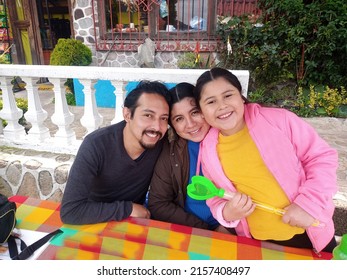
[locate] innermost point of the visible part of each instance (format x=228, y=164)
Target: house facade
x=122, y=33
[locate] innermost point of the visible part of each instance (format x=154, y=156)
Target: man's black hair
x=151, y=87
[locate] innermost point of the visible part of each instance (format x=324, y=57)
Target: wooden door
x=26, y=31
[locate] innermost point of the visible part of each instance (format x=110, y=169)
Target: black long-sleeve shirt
x=104, y=181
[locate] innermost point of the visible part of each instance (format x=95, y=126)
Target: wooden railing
x=64, y=139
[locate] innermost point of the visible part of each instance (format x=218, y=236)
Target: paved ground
x=333, y=130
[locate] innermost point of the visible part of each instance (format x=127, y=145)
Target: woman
x=168, y=200
x=269, y=155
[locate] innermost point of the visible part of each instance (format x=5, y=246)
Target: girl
x=269, y=155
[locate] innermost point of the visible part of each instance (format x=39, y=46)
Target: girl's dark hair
x=212, y=75
x=131, y=100
x=179, y=92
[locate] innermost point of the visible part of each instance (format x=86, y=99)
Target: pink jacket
x=303, y=164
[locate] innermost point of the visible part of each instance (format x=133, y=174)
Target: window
x=131, y=21
x=168, y=15
x=172, y=24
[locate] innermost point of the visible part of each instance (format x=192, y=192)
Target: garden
x=296, y=52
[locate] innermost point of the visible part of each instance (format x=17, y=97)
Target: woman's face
x=187, y=120
x=222, y=106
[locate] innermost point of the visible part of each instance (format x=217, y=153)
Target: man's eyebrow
x=153, y=112
x=148, y=111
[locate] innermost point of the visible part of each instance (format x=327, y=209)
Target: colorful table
x=136, y=238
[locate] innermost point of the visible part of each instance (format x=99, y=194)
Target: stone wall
x=32, y=173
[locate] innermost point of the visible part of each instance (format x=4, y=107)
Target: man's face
x=149, y=122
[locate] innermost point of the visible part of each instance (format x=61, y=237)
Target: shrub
x=293, y=39
x=320, y=101
x=71, y=52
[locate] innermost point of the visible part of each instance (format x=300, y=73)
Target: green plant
x=320, y=101
x=70, y=99
x=4, y=59
x=21, y=104
x=71, y=52
x=303, y=41
x=187, y=61
x=5, y=56
x=194, y=60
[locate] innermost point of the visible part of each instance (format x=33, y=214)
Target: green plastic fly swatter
x=202, y=188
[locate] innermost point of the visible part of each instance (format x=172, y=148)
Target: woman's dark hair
x=179, y=92
x=131, y=100
x=212, y=75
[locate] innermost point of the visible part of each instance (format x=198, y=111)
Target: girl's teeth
x=224, y=116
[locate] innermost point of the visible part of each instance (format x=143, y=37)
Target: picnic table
x=143, y=239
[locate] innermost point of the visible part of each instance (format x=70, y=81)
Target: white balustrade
x=65, y=138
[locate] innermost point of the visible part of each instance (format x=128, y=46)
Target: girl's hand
x=240, y=206
x=297, y=217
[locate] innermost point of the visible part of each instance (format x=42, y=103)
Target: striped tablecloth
x=144, y=239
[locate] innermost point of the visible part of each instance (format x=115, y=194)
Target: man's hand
x=297, y=217
x=140, y=211
x=240, y=206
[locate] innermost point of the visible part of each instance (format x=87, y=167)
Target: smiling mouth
x=152, y=133
x=195, y=131
x=225, y=116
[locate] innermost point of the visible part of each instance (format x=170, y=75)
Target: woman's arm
x=164, y=194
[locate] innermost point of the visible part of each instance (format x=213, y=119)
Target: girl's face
x=222, y=106
x=188, y=121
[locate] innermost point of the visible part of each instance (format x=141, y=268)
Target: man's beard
x=150, y=146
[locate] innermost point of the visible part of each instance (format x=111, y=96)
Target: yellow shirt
x=245, y=168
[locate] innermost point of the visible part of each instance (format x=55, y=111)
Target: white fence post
x=120, y=96
x=62, y=117
x=91, y=119
x=10, y=112
x=35, y=114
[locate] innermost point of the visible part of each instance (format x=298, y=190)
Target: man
x=112, y=170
